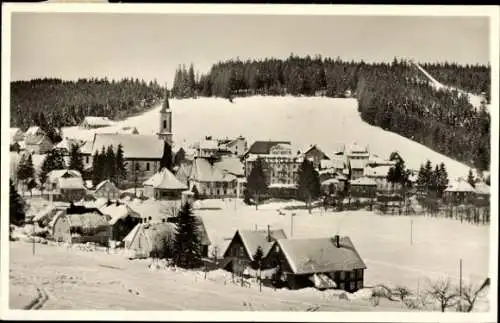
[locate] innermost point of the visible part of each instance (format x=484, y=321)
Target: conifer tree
x=96, y=168
x=256, y=182
x=166, y=159
x=442, y=179
x=53, y=161
x=104, y=164
x=110, y=163
x=187, y=242
x=257, y=258
x=76, y=159
x=25, y=170
x=470, y=178
x=309, y=186
x=121, y=171
x=16, y=206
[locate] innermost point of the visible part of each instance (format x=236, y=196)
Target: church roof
x=134, y=146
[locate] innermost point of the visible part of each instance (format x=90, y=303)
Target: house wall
x=61, y=230
x=43, y=147
x=278, y=170
x=363, y=191
x=238, y=147
x=70, y=195
x=162, y=194
x=216, y=189
x=357, y=173
x=236, y=251
x=108, y=191
x=149, y=191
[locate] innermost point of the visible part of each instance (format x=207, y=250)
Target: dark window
x=147, y=166
x=164, y=124
x=87, y=159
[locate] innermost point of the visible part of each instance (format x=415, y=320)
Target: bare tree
x=470, y=294
x=403, y=292
x=443, y=292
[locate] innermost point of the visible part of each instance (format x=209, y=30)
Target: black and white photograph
x=252, y=162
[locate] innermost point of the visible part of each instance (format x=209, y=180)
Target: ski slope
x=475, y=100
x=325, y=122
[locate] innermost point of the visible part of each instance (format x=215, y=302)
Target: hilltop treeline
x=53, y=103
x=394, y=96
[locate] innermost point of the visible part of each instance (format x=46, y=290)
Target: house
x=122, y=219
x=65, y=185
x=207, y=147
x=149, y=239
x=379, y=173
x=65, y=146
x=333, y=185
x=16, y=135
x=36, y=141
x=300, y=261
x=210, y=181
x=335, y=162
x=357, y=152
x=142, y=154
x=128, y=130
x=83, y=228
x=184, y=172
x=90, y=122
x=236, y=147
x=363, y=187
x=164, y=185
x=459, y=192
x=107, y=189
x=244, y=244
x=482, y=194
x=316, y=156
x=204, y=238
x=280, y=165
x=357, y=167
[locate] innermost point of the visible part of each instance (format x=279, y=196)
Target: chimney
x=269, y=233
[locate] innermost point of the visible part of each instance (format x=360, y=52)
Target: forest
x=53, y=103
x=395, y=96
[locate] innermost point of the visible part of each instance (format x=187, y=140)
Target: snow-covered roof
x=118, y=212
x=54, y=175
x=71, y=183
x=165, y=180
x=482, y=188
x=283, y=185
x=459, y=186
x=330, y=181
x=253, y=239
x=208, y=145
x=364, y=181
x=105, y=182
x=14, y=132
x=66, y=143
x=378, y=171
x=33, y=131
x=98, y=121
x=203, y=171
x=264, y=147
x=134, y=146
x=87, y=220
x=355, y=148
x=231, y=165
x=320, y=255
x=376, y=160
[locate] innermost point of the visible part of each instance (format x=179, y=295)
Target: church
x=142, y=153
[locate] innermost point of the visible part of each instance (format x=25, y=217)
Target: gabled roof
x=36, y=139
x=134, y=146
x=118, y=212
x=71, y=183
x=264, y=147
x=253, y=239
x=320, y=255
x=107, y=181
x=330, y=181
x=203, y=171
x=155, y=234
x=355, y=148
x=364, y=181
x=66, y=143
x=482, y=188
x=33, y=131
x=165, y=180
x=459, y=186
x=54, y=175
x=314, y=147
x=336, y=161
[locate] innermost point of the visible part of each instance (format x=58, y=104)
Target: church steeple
x=165, y=129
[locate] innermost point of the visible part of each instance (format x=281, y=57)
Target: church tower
x=165, y=129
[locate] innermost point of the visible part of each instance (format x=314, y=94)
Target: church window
x=87, y=159
x=164, y=124
x=147, y=166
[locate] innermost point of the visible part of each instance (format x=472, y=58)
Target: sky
x=151, y=46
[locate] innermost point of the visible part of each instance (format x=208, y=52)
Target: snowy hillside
x=474, y=99
x=302, y=120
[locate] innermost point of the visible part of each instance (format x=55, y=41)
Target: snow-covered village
x=243, y=190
